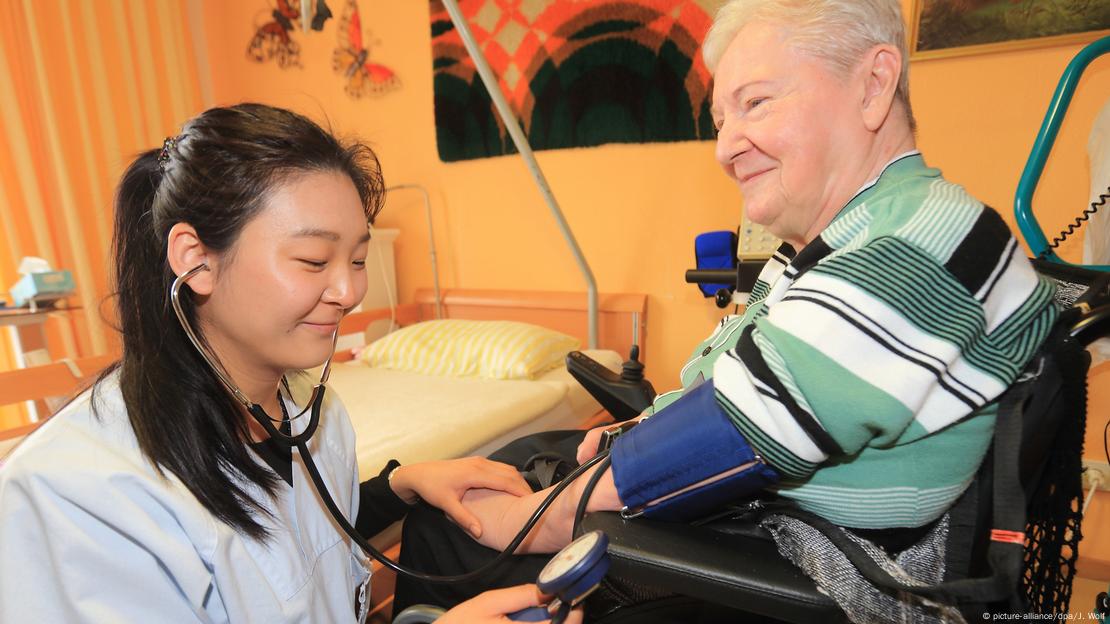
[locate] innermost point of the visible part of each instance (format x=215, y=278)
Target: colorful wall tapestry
x=577, y=73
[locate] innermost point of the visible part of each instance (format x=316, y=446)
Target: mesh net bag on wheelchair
x=1054, y=513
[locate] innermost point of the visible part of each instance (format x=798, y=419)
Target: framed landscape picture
x=954, y=27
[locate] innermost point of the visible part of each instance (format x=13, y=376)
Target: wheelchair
x=1028, y=485
x=729, y=569
x=665, y=571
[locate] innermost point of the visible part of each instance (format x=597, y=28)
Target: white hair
x=836, y=31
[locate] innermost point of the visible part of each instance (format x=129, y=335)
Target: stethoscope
x=565, y=579
x=254, y=409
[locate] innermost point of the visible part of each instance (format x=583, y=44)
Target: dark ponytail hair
x=216, y=176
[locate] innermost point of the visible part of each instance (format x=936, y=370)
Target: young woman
x=156, y=496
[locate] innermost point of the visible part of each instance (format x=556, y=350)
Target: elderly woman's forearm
x=503, y=515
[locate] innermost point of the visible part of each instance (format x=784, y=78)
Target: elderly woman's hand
x=442, y=484
x=587, y=449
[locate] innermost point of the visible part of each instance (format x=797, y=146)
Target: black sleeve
x=378, y=506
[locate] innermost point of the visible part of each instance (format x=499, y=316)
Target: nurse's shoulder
x=86, y=519
x=87, y=457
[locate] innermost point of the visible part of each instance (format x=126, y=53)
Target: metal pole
x=431, y=238
x=522, y=146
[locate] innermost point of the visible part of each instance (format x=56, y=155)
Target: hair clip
x=164, y=157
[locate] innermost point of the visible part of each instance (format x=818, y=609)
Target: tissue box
x=42, y=287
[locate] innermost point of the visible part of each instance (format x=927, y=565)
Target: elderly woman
x=862, y=373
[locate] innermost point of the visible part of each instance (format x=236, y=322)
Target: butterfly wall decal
x=272, y=40
x=351, y=59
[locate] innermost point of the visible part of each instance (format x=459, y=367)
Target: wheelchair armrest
x=1092, y=325
x=741, y=570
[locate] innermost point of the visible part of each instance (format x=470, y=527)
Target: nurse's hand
x=442, y=484
x=494, y=606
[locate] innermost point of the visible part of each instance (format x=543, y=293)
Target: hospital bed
x=416, y=417
x=412, y=417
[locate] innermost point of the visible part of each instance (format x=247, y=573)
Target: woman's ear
x=185, y=251
x=883, y=68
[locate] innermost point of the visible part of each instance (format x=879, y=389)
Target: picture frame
x=946, y=28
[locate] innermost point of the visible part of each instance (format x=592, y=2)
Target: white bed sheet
x=411, y=417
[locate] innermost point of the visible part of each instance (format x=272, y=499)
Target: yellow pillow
x=460, y=348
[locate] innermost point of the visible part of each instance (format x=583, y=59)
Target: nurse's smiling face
x=297, y=267
x=782, y=118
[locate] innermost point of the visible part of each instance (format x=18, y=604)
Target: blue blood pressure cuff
x=686, y=460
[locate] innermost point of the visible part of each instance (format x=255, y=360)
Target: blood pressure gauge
x=570, y=576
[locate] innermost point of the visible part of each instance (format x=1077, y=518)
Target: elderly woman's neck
x=882, y=151
x=888, y=144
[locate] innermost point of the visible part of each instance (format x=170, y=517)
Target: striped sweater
x=864, y=367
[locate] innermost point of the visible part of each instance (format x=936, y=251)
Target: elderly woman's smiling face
x=787, y=129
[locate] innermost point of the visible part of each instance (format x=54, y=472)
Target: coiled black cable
x=1078, y=223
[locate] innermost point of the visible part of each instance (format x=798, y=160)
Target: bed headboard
x=561, y=311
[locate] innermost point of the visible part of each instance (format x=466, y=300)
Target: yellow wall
x=637, y=208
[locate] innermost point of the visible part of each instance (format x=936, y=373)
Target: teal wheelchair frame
x=1023, y=200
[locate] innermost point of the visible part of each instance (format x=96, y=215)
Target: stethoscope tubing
x=322, y=490
x=217, y=369
x=300, y=442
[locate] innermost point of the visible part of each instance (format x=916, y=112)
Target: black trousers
x=432, y=543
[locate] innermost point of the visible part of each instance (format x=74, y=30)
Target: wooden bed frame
x=620, y=316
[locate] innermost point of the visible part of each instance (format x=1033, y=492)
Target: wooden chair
x=49, y=386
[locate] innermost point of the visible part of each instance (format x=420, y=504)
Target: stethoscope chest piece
x=571, y=575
